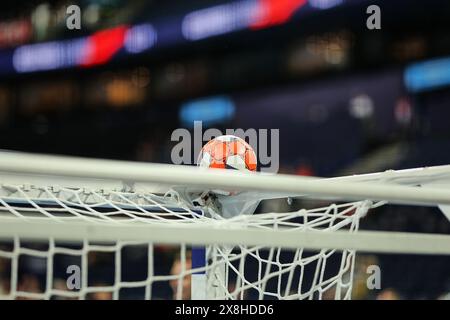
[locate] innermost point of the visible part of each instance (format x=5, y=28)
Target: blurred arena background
x=346, y=99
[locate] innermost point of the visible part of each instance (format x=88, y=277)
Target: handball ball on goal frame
x=227, y=152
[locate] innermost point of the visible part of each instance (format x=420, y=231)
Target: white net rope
x=82, y=269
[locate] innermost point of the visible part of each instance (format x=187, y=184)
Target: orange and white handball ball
x=228, y=152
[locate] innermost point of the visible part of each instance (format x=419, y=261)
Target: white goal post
x=74, y=207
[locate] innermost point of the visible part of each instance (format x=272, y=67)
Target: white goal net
x=67, y=232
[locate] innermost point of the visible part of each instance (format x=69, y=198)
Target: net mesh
x=55, y=269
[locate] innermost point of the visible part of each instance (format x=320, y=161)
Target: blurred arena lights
x=15, y=32
x=210, y=111
x=49, y=55
x=220, y=19
x=235, y=16
x=140, y=38
x=101, y=46
x=325, y=4
x=96, y=49
x=428, y=75
x=361, y=106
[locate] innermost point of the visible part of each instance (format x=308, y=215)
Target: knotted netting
x=44, y=256
x=73, y=228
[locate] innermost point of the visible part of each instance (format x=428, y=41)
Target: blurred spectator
x=100, y=295
x=4, y=286
x=360, y=289
x=329, y=294
x=29, y=284
x=389, y=294
x=177, y=268
x=239, y=295
x=60, y=285
x=4, y=279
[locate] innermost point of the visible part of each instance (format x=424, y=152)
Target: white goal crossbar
x=367, y=187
